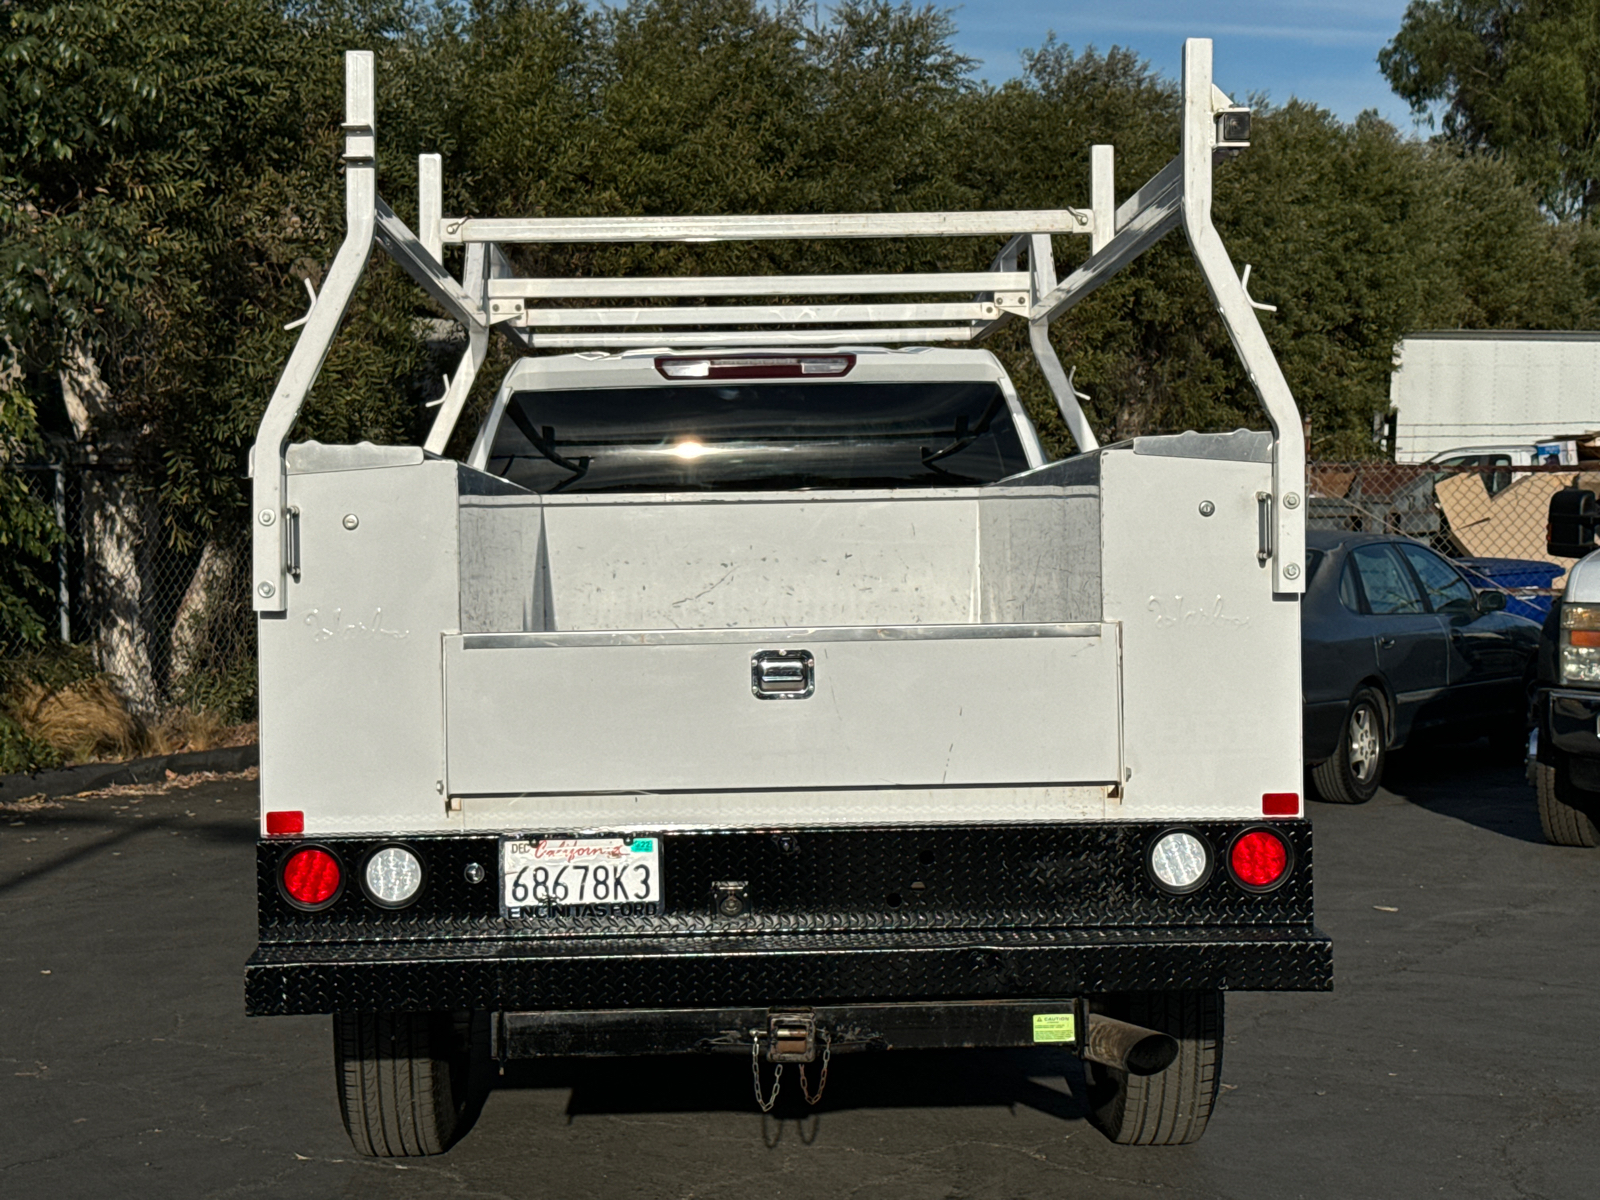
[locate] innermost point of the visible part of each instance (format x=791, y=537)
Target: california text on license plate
x=553, y=876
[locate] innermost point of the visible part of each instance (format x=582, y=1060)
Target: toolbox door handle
x=783, y=674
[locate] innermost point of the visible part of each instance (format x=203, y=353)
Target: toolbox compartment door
x=679, y=710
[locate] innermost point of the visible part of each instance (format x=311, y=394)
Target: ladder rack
x=538, y=313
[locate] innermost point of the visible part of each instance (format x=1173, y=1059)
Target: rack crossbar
x=643, y=287
x=801, y=337
x=765, y=228
x=820, y=314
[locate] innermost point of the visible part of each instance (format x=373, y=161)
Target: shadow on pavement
x=104, y=830
x=1469, y=782
x=1048, y=1081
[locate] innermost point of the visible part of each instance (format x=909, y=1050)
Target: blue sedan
x=1395, y=641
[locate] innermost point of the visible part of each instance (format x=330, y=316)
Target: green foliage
x=169, y=177
x=20, y=753
x=1521, y=77
x=28, y=533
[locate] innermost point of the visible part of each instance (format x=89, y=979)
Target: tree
x=1521, y=77
x=165, y=182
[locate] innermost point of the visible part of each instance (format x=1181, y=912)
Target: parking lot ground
x=1456, y=1056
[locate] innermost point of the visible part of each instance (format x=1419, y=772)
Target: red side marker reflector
x=285, y=822
x=1259, y=858
x=311, y=876
x=1280, y=804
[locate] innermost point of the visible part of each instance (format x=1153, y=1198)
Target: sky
x=1324, y=51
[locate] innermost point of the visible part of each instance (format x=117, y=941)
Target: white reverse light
x=689, y=450
x=1180, y=861
x=393, y=876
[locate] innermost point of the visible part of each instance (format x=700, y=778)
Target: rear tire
x=1565, y=811
x=1171, y=1107
x=1354, y=772
x=406, y=1080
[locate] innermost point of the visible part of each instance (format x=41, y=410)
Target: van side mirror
x=1573, y=517
x=1491, y=601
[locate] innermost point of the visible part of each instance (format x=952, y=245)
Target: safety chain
x=822, y=1079
x=755, y=1075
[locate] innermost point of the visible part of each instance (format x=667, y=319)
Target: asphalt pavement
x=1454, y=1058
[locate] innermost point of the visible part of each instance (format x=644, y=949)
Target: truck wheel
x=406, y=1079
x=1565, y=811
x=1352, y=775
x=1170, y=1108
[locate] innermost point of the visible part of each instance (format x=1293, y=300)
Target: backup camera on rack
x=954, y=306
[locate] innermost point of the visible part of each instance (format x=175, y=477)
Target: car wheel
x=1171, y=1107
x=407, y=1080
x=1566, y=813
x=1352, y=775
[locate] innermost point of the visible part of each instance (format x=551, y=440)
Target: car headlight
x=1580, y=643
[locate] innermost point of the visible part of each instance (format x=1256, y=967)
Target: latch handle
x=1264, y=527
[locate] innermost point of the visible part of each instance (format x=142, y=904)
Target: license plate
x=555, y=876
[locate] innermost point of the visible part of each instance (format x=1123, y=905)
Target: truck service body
x=766, y=691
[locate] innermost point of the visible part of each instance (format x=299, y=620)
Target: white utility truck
x=756, y=686
x=1490, y=397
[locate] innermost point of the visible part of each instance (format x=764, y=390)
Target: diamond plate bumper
x=834, y=916
x=779, y=970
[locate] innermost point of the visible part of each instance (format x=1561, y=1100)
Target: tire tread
x=1171, y=1107
x=1564, y=823
x=394, y=1075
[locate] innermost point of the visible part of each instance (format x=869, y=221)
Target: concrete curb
x=69, y=781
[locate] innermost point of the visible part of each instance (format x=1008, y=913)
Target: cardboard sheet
x=1510, y=525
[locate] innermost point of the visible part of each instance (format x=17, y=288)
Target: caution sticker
x=1055, y=1027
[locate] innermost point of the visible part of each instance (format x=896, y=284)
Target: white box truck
x=756, y=686
x=1494, y=397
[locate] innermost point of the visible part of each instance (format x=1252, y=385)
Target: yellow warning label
x=1054, y=1027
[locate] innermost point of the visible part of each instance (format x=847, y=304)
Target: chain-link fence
x=169, y=627
x=1489, y=518
x=174, y=627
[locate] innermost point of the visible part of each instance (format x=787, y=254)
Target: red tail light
x=312, y=877
x=1259, y=859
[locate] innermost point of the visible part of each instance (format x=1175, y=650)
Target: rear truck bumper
x=902, y=916
x=805, y=969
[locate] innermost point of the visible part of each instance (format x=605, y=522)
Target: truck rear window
x=750, y=437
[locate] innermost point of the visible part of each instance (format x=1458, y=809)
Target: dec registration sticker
x=594, y=876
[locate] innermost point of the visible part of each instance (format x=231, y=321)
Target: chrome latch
x=783, y=674
x=791, y=1035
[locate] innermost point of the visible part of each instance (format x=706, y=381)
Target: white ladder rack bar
x=822, y=314
x=1180, y=193
x=405, y=248
x=475, y=270
x=679, y=339
x=1142, y=221
x=456, y=230
x=757, y=285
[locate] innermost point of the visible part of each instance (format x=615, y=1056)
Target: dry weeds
x=89, y=721
x=28, y=804
x=173, y=782
x=84, y=721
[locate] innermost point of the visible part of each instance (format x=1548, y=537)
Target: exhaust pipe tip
x=1130, y=1048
